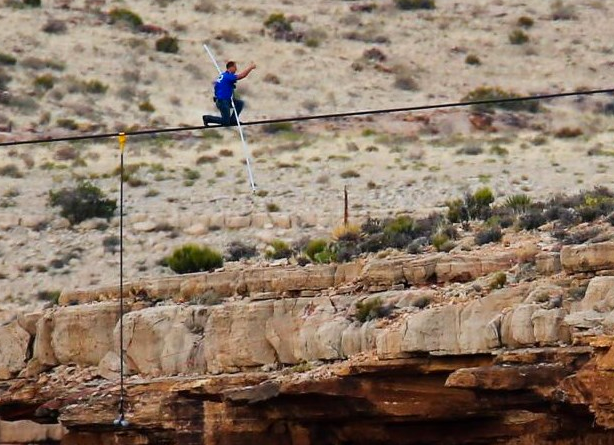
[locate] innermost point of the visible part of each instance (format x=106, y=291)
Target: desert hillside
x=69, y=67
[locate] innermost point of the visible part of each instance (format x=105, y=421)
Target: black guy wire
x=317, y=117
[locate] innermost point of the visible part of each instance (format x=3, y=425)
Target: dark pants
x=227, y=117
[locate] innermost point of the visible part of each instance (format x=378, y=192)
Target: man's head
x=231, y=67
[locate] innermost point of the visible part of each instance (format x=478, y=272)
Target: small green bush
x=32, y=3
x=278, y=249
x=347, y=174
x=525, y=22
x=52, y=296
x=494, y=94
x=472, y=59
x=278, y=127
x=11, y=170
x=518, y=37
x=147, y=107
x=44, y=82
x=82, y=202
x=315, y=247
x=167, y=44
x=278, y=22
x=408, y=5
x=126, y=16
x=7, y=59
x=95, y=87
x=69, y=124
x=518, y=203
x=498, y=280
x=192, y=258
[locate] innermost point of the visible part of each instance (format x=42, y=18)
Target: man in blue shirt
x=223, y=90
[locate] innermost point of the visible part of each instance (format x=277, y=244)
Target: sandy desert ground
x=183, y=186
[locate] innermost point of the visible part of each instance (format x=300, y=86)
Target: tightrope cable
x=315, y=117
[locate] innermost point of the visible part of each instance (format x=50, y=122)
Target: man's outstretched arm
x=243, y=74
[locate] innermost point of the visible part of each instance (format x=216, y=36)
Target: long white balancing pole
x=243, y=141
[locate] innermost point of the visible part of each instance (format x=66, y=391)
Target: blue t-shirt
x=224, y=85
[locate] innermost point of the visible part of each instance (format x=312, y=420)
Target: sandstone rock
x=26, y=431
x=585, y=320
x=235, y=337
x=144, y=226
x=260, y=220
x=196, y=229
x=14, y=342
x=588, y=258
x=281, y=221
x=160, y=340
x=82, y=335
x=43, y=353
x=599, y=295
x=548, y=263
x=238, y=222
x=217, y=220
x=35, y=222
x=8, y=221
x=549, y=326
x=517, y=326
x=222, y=283
x=348, y=272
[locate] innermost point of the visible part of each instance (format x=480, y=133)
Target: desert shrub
x=568, y=133
x=441, y=242
x=230, y=36
x=472, y=59
x=82, y=202
x=44, y=82
x=38, y=64
x=532, y=220
x=272, y=207
x=279, y=127
x=374, y=55
x=206, y=159
x=499, y=151
x=190, y=174
x=408, y=5
x=346, y=174
x=167, y=44
x=54, y=27
x=518, y=37
x=398, y=232
x=238, y=250
x=192, y=258
x=470, y=150
x=7, y=59
x=498, y=280
x=562, y=10
x=518, y=203
x=110, y=243
x=314, y=247
x=278, y=249
x=123, y=15
x=346, y=233
x=473, y=206
x=272, y=79
x=95, y=87
x=371, y=226
x=496, y=94
x=52, y=296
x=147, y=107
x=488, y=235
x=205, y=6
x=11, y=170
x=525, y=22
x=371, y=309
x=66, y=153
x=280, y=28
x=67, y=123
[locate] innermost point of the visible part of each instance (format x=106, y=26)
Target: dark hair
x=230, y=64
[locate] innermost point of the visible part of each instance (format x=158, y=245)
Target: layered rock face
x=408, y=349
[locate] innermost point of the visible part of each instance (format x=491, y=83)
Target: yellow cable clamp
x=122, y=141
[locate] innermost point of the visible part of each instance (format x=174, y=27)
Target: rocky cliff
x=497, y=345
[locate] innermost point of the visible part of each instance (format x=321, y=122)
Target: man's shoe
x=205, y=121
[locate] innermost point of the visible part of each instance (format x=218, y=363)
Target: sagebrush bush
x=82, y=202
x=525, y=22
x=238, y=250
x=315, y=247
x=44, y=82
x=192, y=258
x=532, y=219
x=124, y=15
x=473, y=206
x=518, y=37
x=408, y=5
x=7, y=59
x=277, y=250
x=495, y=94
x=167, y=44
x=472, y=59
x=488, y=235
x=95, y=87
x=54, y=27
